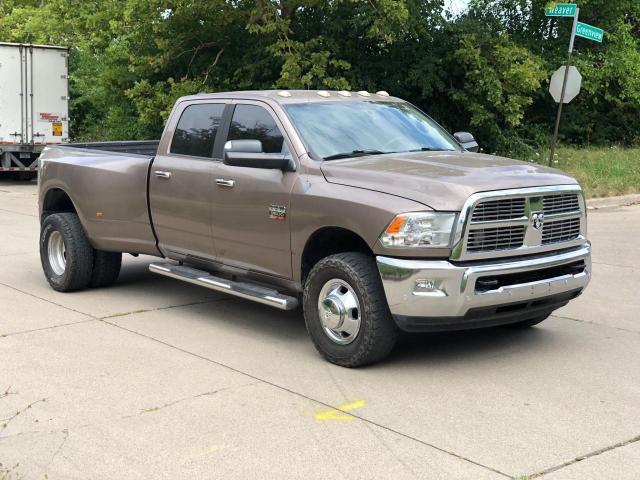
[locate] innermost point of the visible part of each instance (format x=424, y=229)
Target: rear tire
x=526, y=323
x=65, y=252
x=353, y=281
x=106, y=268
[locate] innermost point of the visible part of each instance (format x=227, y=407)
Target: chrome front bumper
x=441, y=290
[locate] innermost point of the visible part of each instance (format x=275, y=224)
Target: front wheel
x=65, y=253
x=346, y=311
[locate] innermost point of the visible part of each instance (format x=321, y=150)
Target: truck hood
x=440, y=180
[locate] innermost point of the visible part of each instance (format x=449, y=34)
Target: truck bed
x=137, y=147
x=107, y=183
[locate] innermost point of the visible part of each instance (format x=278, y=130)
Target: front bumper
x=437, y=295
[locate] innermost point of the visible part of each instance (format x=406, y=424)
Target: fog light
x=429, y=287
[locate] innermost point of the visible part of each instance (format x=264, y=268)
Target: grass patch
x=602, y=172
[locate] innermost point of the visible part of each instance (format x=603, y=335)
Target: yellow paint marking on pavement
x=339, y=412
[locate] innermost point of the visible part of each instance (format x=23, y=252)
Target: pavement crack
x=595, y=323
x=631, y=267
x=20, y=332
x=311, y=399
x=65, y=432
x=595, y=453
x=48, y=301
x=18, y=213
x=169, y=307
x=191, y=397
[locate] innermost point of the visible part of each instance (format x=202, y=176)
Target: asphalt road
x=154, y=379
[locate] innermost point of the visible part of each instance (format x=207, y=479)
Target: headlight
x=419, y=229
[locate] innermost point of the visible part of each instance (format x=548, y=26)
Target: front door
x=251, y=226
x=182, y=184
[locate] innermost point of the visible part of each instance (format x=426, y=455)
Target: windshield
x=344, y=129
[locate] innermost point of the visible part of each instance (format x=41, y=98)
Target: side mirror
x=467, y=141
x=248, y=146
x=273, y=161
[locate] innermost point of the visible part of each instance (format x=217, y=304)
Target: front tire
x=65, y=253
x=346, y=311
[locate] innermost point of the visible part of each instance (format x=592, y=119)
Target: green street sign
x=560, y=9
x=587, y=31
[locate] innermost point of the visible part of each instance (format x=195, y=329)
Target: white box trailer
x=34, y=104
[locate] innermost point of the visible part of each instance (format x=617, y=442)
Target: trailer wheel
x=106, y=268
x=27, y=176
x=65, y=252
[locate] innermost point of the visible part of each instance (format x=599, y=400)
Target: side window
x=251, y=122
x=196, y=130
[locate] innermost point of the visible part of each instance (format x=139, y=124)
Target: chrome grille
x=492, y=239
x=520, y=222
x=561, y=230
x=561, y=203
x=503, y=209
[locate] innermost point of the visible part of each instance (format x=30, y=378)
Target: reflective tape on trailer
x=18, y=169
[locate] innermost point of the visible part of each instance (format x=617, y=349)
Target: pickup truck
x=356, y=205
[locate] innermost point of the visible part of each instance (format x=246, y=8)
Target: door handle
x=223, y=182
x=162, y=174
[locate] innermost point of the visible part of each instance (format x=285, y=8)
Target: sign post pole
x=554, y=140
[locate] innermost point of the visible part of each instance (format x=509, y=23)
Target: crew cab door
x=251, y=225
x=181, y=181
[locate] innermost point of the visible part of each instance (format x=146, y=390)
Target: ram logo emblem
x=537, y=220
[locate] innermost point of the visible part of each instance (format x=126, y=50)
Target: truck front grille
x=492, y=239
x=494, y=210
x=560, y=230
x=562, y=203
x=522, y=222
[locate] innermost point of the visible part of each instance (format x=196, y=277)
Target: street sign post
x=574, y=82
x=561, y=10
x=582, y=30
x=589, y=32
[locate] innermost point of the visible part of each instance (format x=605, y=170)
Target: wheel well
x=56, y=201
x=328, y=241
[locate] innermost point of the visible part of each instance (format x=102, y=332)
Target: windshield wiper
x=354, y=153
x=431, y=149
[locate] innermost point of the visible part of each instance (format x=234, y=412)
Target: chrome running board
x=245, y=290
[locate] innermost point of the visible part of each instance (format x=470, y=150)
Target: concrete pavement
x=153, y=378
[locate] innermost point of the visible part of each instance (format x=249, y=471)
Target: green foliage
x=485, y=71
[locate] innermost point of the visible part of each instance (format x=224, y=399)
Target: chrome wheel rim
x=339, y=311
x=57, y=253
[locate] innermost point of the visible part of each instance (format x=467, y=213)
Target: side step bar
x=245, y=290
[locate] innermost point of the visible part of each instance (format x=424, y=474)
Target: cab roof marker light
x=383, y=93
x=344, y=93
x=364, y=93
x=323, y=93
x=284, y=93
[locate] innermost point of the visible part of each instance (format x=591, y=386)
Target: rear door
x=48, y=103
x=251, y=224
x=181, y=181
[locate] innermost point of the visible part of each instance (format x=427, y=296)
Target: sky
x=456, y=6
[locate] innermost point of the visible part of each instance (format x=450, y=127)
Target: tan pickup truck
x=355, y=204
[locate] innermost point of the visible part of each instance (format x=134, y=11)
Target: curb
x=612, y=202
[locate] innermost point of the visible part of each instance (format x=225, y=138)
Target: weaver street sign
x=560, y=9
x=589, y=32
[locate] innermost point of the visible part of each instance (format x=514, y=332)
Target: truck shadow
x=263, y=323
